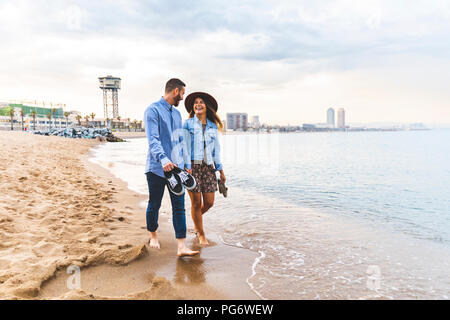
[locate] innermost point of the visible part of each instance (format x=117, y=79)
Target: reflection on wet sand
x=190, y=271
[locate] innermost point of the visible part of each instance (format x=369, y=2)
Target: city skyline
x=253, y=121
x=282, y=61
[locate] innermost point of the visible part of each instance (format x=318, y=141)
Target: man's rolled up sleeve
x=152, y=132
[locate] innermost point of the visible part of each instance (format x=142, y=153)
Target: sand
x=58, y=210
x=129, y=134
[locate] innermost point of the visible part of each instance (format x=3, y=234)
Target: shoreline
x=98, y=225
x=129, y=135
x=194, y=269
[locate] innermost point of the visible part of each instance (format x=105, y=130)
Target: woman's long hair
x=211, y=115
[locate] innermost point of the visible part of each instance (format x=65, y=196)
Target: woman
x=203, y=155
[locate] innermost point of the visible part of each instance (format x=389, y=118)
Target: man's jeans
x=156, y=186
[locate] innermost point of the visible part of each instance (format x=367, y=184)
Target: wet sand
x=58, y=210
x=129, y=134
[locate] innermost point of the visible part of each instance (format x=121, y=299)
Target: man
x=162, y=122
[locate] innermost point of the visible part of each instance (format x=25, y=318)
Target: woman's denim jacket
x=193, y=131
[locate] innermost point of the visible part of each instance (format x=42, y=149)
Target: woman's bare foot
x=154, y=243
x=202, y=240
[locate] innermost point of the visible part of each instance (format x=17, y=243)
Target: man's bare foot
x=154, y=243
x=202, y=240
x=185, y=251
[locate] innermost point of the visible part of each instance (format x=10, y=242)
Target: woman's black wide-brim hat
x=209, y=100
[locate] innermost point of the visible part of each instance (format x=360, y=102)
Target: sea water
x=339, y=215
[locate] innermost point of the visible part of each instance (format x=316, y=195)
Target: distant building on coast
x=330, y=118
x=255, y=122
x=323, y=126
x=417, y=126
x=28, y=109
x=341, y=118
x=41, y=112
x=308, y=127
x=115, y=124
x=237, y=121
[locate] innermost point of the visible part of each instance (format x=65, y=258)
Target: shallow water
x=332, y=215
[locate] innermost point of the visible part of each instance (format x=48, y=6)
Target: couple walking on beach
x=192, y=146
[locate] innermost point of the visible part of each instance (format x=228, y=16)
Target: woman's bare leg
x=196, y=213
x=208, y=201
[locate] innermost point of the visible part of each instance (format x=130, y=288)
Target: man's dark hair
x=174, y=83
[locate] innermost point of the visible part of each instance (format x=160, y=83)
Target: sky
x=286, y=61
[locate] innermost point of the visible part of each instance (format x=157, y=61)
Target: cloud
x=249, y=53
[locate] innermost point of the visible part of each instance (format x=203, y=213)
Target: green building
x=41, y=112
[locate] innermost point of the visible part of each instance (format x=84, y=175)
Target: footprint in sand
x=45, y=249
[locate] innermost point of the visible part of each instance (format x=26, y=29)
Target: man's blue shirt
x=163, y=126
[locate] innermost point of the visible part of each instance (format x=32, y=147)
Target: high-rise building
x=330, y=118
x=255, y=122
x=237, y=121
x=341, y=118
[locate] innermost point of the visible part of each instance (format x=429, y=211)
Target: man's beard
x=177, y=99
